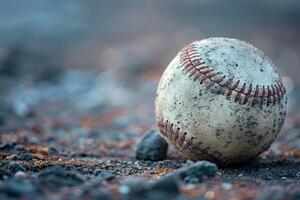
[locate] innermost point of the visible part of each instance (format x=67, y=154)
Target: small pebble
x=165, y=188
x=267, y=177
x=6, y=146
x=19, y=188
x=226, y=186
x=166, y=184
x=53, y=151
x=134, y=187
x=152, y=147
x=190, y=186
x=209, y=195
x=274, y=193
x=14, y=167
x=33, y=140
x=19, y=147
x=13, y=157
x=20, y=175
x=105, y=174
x=124, y=189
x=196, y=172
x=25, y=156
x=56, y=177
x=4, y=174
x=98, y=194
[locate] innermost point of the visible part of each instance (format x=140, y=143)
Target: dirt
x=77, y=95
x=57, y=146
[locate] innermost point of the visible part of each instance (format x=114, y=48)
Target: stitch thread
x=183, y=142
x=193, y=64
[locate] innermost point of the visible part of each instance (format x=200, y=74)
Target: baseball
x=221, y=100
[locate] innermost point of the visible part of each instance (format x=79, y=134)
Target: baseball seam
x=191, y=62
x=182, y=142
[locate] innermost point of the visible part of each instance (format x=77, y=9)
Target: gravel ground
x=72, y=125
x=79, y=142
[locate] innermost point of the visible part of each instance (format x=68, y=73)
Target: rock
x=164, y=188
x=196, y=172
x=105, y=174
x=56, y=177
x=96, y=194
x=166, y=184
x=13, y=157
x=152, y=147
x=226, y=186
x=134, y=187
x=4, y=175
x=19, y=147
x=25, y=156
x=20, y=175
x=52, y=151
x=18, y=188
x=95, y=189
x=33, y=140
x=279, y=194
x=6, y=146
x=14, y=167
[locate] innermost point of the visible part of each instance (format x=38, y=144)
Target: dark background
x=80, y=77
x=42, y=37
x=81, y=33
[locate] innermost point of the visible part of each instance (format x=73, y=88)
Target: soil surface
x=56, y=144
x=73, y=108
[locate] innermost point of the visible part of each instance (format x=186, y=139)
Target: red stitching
x=237, y=97
x=189, y=143
x=227, y=83
x=218, y=81
x=278, y=92
x=199, y=71
x=263, y=95
x=247, y=96
x=210, y=75
x=176, y=134
x=269, y=96
x=191, y=61
x=275, y=95
x=255, y=95
x=182, y=138
x=183, y=142
x=195, y=70
x=229, y=93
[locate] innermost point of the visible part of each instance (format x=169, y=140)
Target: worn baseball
x=221, y=100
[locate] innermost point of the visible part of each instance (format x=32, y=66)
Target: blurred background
x=85, y=67
x=77, y=89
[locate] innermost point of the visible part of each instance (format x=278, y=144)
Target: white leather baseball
x=222, y=100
